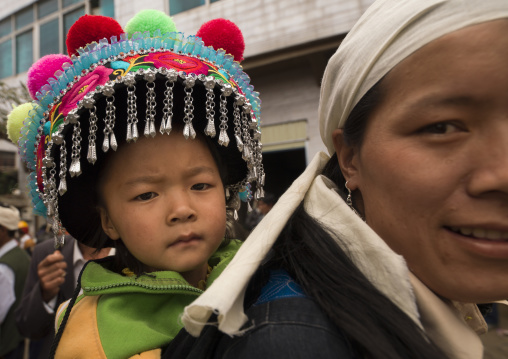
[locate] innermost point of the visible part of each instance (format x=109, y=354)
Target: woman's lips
x=481, y=233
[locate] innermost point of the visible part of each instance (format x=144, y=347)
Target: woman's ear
x=347, y=157
x=107, y=225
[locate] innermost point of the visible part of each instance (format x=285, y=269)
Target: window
x=7, y=159
x=5, y=27
x=6, y=58
x=178, y=6
x=70, y=18
x=40, y=29
x=49, y=38
x=24, y=52
x=46, y=7
x=24, y=17
x=66, y=3
x=103, y=7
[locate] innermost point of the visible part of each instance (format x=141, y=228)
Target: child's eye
x=441, y=128
x=200, y=186
x=146, y=196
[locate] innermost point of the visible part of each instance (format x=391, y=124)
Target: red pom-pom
x=42, y=70
x=90, y=28
x=222, y=33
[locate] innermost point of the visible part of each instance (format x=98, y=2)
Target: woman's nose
x=490, y=174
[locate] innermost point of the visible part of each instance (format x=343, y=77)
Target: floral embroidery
x=99, y=76
x=55, y=119
x=177, y=62
x=130, y=64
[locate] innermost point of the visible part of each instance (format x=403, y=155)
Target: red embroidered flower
x=38, y=164
x=87, y=83
x=177, y=62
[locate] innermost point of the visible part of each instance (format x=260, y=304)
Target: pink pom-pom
x=90, y=28
x=42, y=70
x=222, y=33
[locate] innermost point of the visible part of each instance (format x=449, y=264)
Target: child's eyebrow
x=199, y=169
x=143, y=179
x=194, y=171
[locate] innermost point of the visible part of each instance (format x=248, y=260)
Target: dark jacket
x=288, y=327
x=32, y=318
x=18, y=260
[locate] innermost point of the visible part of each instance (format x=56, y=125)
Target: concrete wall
x=267, y=25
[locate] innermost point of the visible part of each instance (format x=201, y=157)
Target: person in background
x=14, y=264
x=263, y=206
x=51, y=280
x=25, y=239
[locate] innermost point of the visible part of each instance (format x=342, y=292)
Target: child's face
x=164, y=198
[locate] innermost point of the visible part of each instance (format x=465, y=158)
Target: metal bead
x=149, y=75
x=108, y=90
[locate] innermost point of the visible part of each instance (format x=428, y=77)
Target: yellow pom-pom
x=15, y=121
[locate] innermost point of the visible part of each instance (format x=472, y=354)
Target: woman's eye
x=440, y=128
x=200, y=186
x=146, y=196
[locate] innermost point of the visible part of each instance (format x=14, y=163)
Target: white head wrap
x=387, y=33
x=9, y=217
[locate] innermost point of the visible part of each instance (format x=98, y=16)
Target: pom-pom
x=222, y=33
x=42, y=70
x=150, y=20
x=15, y=121
x=90, y=28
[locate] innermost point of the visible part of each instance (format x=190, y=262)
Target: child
x=159, y=197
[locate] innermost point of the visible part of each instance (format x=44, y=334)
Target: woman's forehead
x=389, y=32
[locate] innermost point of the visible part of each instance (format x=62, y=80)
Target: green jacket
x=120, y=316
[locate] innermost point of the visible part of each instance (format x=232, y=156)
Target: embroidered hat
x=118, y=85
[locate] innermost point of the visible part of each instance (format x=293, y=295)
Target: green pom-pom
x=15, y=121
x=150, y=20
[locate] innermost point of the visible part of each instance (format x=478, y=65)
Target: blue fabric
x=280, y=285
x=288, y=328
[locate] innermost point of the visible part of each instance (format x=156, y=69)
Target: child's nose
x=181, y=210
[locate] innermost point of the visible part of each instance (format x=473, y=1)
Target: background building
x=288, y=43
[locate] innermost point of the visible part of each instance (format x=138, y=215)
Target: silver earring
x=349, y=201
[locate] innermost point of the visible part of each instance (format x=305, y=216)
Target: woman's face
x=433, y=168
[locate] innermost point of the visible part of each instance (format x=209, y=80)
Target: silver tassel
x=105, y=144
x=92, y=154
x=75, y=168
x=129, y=132
x=135, y=134
x=223, y=138
x=188, y=131
x=146, y=132
x=239, y=143
x=152, y=128
x=112, y=141
x=246, y=153
x=210, y=128
x=62, y=187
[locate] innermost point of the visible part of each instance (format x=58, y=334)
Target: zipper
x=143, y=285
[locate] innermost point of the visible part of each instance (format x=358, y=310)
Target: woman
x=382, y=250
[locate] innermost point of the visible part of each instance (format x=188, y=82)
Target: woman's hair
x=375, y=326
